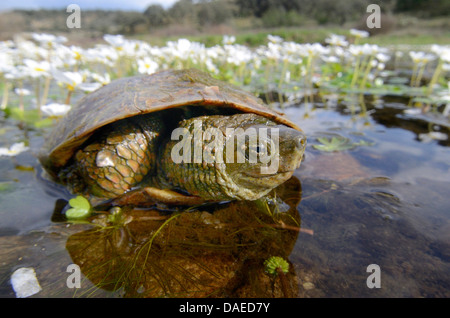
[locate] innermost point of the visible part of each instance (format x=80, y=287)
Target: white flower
x=55, y=109
x=6, y=62
x=366, y=49
x=228, y=39
x=383, y=58
x=48, y=40
x=102, y=54
x=147, y=66
x=274, y=38
x=18, y=72
x=180, y=48
x=356, y=50
x=117, y=41
x=338, y=40
x=105, y=79
x=421, y=57
x=314, y=49
x=359, y=33
x=211, y=67
x=22, y=91
x=122, y=45
x=72, y=80
x=442, y=51
x=37, y=69
x=238, y=55
x=330, y=59
x=14, y=150
x=378, y=82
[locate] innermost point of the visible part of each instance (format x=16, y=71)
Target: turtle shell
x=133, y=96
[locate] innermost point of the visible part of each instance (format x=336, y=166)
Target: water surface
x=384, y=201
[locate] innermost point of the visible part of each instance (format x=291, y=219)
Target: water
x=384, y=201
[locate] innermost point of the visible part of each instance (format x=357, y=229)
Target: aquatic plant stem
x=21, y=107
x=37, y=90
x=308, y=71
x=69, y=95
x=241, y=72
x=366, y=72
x=46, y=90
x=419, y=75
x=356, y=72
x=5, y=95
x=283, y=281
x=413, y=75
x=150, y=242
x=266, y=76
x=435, y=77
x=280, y=82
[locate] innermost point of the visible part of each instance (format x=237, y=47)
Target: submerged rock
x=25, y=282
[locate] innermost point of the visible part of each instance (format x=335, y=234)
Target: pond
x=372, y=189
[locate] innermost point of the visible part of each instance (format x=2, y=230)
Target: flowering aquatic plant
x=292, y=70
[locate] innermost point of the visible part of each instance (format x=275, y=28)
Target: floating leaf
x=81, y=208
x=334, y=144
x=364, y=143
x=338, y=144
x=6, y=186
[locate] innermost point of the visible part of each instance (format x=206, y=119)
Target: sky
x=132, y=5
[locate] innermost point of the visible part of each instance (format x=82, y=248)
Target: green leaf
x=6, y=186
x=338, y=144
x=334, y=144
x=43, y=123
x=81, y=208
x=275, y=263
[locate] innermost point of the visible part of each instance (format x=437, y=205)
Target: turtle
x=177, y=137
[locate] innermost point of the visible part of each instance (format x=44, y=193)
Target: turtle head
x=265, y=157
x=243, y=156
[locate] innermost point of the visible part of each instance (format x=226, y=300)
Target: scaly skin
x=119, y=158
x=231, y=180
x=124, y=156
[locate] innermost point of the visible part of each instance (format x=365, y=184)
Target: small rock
x=24, y=282
x=308, y=285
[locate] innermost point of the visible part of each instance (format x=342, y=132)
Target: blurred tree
x=424, y=8
x=183, y=11
x=213, y=12
x=129, y=20
x=324, y=11
x=156, y=16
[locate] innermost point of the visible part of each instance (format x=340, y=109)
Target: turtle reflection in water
x=118, y=142
x=218, y=253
